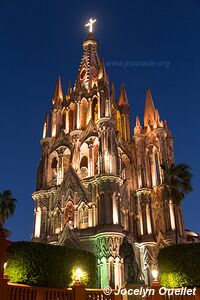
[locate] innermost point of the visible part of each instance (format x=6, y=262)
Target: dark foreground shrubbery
x=48, y=265
x=180, y=265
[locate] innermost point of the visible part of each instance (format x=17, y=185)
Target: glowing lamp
x=5, y=265
x=154, y=273
x=78, y=274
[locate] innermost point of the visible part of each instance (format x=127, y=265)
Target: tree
x=7, y=206
x=177, y=184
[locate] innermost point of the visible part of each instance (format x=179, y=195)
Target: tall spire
x=123, y=99
x=138, y=121
x=149, y=111
x=58, y=94
x=89, y=65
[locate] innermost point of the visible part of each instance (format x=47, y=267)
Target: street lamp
x=154, y=273
x=78, y=274
x=5, y=265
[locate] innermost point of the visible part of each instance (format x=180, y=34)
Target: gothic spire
x=89, y=65
x=123, y=99
x=138, y=121
x=58, y=94
x=149, y=111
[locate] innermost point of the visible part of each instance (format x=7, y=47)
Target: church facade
x=97, y=182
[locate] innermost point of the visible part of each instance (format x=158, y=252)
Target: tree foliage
x=179, y=265
x=177, y=181
x=48, y=265
x=7, y=206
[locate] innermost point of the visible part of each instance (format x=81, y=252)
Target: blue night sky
x=41, y=39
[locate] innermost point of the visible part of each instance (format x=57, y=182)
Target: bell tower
x=96, y=182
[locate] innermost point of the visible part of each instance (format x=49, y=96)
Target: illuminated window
x=54, y=163
x=83, y=113
x=83, y=217
x=157, y=169
x=84, y=162
x=71, y=116
x=95, y=109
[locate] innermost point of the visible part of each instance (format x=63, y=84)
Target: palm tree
x=7, y=206
x=177, y=184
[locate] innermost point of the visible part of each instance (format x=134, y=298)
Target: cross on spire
x=90, y=24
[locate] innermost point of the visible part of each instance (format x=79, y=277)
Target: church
x=98, y=180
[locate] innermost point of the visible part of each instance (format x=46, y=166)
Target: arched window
x=149, y=175
x=95, y=109
x=84, y=162
x=84, y=167
x=54, y=171
x=111, y=273
x=69, y=213
x=63, y=118
x=83, y=113
x=54, y=163
x=66, y=159
x=83, y=217
x=157, y=168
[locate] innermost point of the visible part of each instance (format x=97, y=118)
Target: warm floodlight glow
x=90, y=24
x=78, y=274
x=154, y=273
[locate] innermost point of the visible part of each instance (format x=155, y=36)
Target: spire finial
x=90, y=24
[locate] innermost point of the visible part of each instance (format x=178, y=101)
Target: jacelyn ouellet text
x=145, y=292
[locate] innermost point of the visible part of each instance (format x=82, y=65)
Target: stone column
x=67, y=121
x=172, y=215
x=99, y=108
x=79, y=291
x=76, y=219
x=144, y=218
x=89, y=110
x=78, y=115
x=53, y=122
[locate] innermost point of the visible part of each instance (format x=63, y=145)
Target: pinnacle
x=58, y=89
x=123, y=99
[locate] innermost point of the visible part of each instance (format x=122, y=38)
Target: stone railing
x=77, y=292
